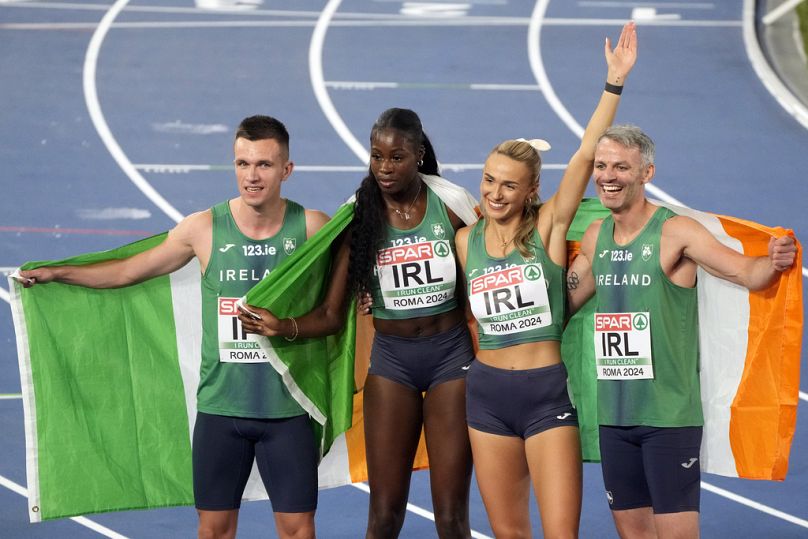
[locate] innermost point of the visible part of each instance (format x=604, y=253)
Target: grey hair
x=632, y=136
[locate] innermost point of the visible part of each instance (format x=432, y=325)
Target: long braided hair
x=369, y=222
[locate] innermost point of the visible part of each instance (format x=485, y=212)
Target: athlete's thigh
x=503, y=479
x=671, y=457
x=287, y=460
x=393, y=417
x=447, y=440
x=222, y=459
x=623, y=468
x=554, y=460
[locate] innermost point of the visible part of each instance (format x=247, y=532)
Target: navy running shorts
x=651, y=467
x=224, y=449
x=422, y=363
x=518, y=403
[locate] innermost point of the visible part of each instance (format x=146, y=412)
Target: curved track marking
x=97, y=116
x=318, y=82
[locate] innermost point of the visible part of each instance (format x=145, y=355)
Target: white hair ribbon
x=538, y=144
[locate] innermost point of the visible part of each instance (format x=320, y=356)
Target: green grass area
x=802, y=13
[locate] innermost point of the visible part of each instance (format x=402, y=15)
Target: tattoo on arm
x=572, y=281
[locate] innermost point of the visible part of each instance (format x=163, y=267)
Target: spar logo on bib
x=511, y=300
x=623, y=346
x=532, y=272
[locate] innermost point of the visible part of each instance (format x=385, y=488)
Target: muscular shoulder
x=196, y=231
x=315, y=220
x=193, y=225
x=680, y=230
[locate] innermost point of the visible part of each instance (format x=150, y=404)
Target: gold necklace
x=405, y=214
x=503, y=243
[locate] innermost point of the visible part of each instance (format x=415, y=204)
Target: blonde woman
x=522, y=426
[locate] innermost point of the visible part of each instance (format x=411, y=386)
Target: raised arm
x=173, y=253
x=619, y=61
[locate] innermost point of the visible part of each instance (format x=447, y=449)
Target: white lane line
x=100, y=123
x=371, y=85
x=4, y=295
x=176, y=168
x=11, y=396
x=318, y=82
x=666, y=5
x=84, y=521
x=754, y=505
x=373, y=23
x=421, y=512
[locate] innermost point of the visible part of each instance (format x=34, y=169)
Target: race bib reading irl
x=623, y=346
x=421, y=274
x=511, y=300
x=236, y=346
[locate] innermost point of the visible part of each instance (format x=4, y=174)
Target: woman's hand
x=364, y=303
x=261, y=322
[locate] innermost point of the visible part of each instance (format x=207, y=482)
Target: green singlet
x=235, y=378
x=646, y=334
x=515, y=300
x=415, y=273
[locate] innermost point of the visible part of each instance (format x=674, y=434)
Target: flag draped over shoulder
x=749, y=356
x=109, y=378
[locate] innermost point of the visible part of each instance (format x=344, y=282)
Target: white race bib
x=623, y=346
x=236, y=346
x=511, y=300
x=418, y=275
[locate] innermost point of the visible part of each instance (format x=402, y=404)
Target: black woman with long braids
x=399, y=249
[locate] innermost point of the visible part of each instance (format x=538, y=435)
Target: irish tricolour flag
x=109, y=377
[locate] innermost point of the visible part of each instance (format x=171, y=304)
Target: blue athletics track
x=117, y=120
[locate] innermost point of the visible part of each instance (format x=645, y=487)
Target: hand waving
x=621, y=59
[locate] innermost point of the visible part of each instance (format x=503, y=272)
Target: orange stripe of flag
x=763, y=413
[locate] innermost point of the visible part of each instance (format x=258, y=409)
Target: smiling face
x=505, y=187
x=261, y=166
x=620, y=175
x=394, y=161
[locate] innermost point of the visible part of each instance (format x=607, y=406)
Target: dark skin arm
x=325, y=319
